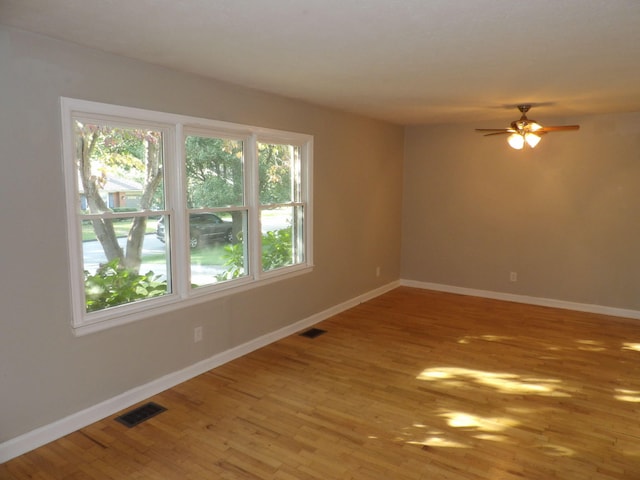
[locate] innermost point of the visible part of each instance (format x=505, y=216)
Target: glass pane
x=214, y=172
x=217, y=247
x=279, y=173
x=114, y=274
x=282, y=239
x=119, y=168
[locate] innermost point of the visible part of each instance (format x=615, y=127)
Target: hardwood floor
x=411, y=385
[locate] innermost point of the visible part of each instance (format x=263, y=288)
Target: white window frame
x=175, y=128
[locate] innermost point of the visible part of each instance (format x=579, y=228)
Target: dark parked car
x=203, y=228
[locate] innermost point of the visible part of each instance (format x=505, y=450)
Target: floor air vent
x=313, y=333
x=140, y=414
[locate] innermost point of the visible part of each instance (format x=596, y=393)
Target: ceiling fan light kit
x=517, y=140
x=525, y=131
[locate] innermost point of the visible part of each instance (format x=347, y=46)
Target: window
x=281, y=205
x=218, y=207
x=165, y=210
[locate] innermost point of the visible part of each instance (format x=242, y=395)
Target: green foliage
x=276, y=252
x=114, y=285
x=214, y=191
x=274, y=163
x=119, y=150
x=233, y=259
x=276, y=249
x=214, y=172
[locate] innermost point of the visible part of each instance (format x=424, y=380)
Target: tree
x=215, y=175
x=214, y=172
x=215, y=168
x=275, y=173
x=137, y=152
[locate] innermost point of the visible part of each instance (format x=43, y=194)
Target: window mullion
x=254, y=245
x=176, y=195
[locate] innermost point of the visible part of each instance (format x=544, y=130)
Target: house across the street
x=117, y=193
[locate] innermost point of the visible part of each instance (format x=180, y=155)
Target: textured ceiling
x=406, y=61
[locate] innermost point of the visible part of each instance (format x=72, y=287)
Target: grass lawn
x=121, y=227
x=212, y=254
x=207, y=255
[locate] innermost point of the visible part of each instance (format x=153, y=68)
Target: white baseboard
x=510, y=297
x=48, y=433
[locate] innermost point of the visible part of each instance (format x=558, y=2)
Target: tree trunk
x=135, y=241
x=153, y=174
x=103, y=227
x=237, y=218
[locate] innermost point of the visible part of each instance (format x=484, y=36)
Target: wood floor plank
x=412, y=385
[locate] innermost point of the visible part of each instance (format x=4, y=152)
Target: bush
x=233, y=256
x=276, y=249
x=114, y=285
x=276, y=252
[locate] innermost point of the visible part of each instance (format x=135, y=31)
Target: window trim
x=175, y=128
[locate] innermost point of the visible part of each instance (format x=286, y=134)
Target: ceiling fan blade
x=494, y=130
x=499, y=133
x=558, y=128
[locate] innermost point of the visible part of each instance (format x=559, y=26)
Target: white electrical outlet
x=197, y=334
x=513, y=276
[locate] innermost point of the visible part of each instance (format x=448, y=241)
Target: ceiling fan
x=525, y=130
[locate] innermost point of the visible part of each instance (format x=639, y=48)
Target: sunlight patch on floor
x=486, y=429
x=590, y=345
x=489, y=424
x=439, y=442
x=491, y=437
x=486, y=338
x=631, y=346
x=556, y=450
x=522, y=410
x=625, y=395
x=509, y=383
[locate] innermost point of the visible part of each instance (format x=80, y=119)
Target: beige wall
x=564, y=216
x=45, y=372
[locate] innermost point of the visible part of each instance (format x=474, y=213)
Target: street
x=200, y=274
x=94, y=254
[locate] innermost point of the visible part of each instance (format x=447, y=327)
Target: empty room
x=320, y=240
